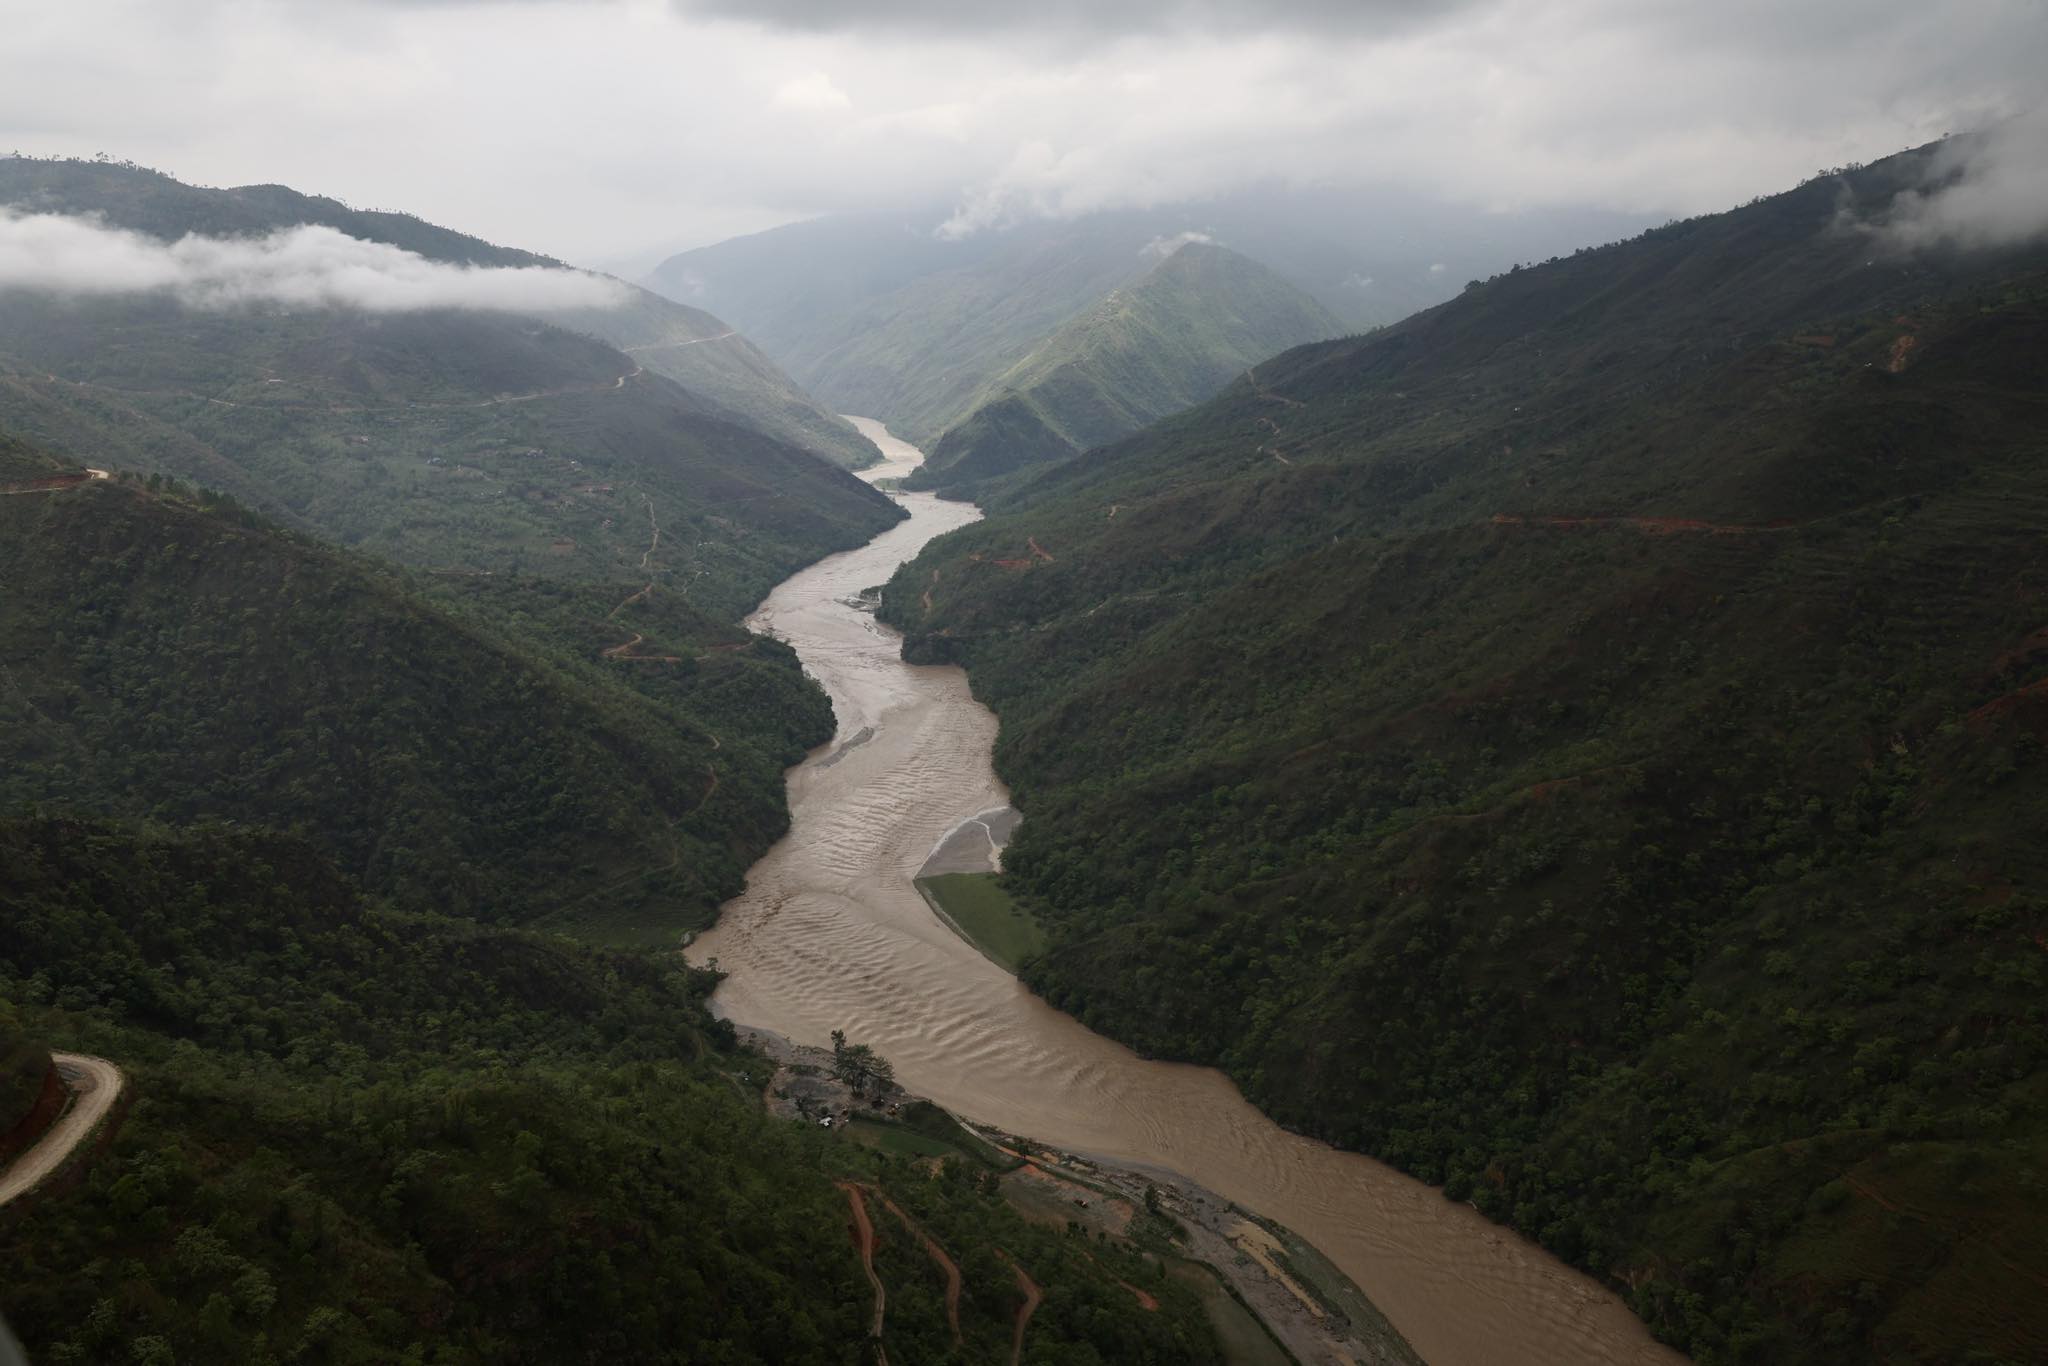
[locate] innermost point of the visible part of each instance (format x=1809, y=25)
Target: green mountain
x=920, y=356
x=1584, y=746
x=728, y=372
x=314, y=846
x=703, y=354
x=488, y=750
x=1149, y=349
x=886, y=303
x=362, y=1136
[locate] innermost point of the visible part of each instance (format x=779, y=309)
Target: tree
x=860, y=1067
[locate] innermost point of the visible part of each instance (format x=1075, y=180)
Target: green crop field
x=976, y=905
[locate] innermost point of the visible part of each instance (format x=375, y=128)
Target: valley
x=832, y=934
x=1360, y=759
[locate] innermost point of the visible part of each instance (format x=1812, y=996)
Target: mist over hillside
x=887, y=315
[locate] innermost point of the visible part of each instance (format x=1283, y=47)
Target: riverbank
x=832, y=933
x=1309, y=1311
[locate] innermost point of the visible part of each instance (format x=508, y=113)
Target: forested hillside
x=370, y=431
x=1583, y=745
x=360, y=1136
x=24, y=1076
x=719, y=367
x=1149, y=349
x=510, y=752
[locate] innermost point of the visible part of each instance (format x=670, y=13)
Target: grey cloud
x=968, y=18
x=306, y=267
x=1160, y=248
x=1986, y=190
x=623, y=131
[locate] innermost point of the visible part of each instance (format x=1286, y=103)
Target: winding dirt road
x=864, y=1239
x=947, y=1266
x=1033, y=1297
x=94, y=1083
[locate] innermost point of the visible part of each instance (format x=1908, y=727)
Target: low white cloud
x=1356, y=281
x=815, y=92
x=1159, y=248
x=308, y=266
x=1985, y=190
x=1437, y=268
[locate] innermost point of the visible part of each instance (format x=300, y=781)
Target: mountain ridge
x=1573, y=745
x=734, y=378
x=1148, y=349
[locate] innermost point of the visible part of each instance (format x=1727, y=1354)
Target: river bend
x=831, y=934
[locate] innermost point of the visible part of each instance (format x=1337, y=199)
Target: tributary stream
x=831, y=934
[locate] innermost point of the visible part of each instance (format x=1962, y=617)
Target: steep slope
x=367, y=1137
x=1579, y=745
x=918, y=356
x=172, y=657
x=29, y=1093
x=718, y=365
x=472, y=442
x=174, y=349
x=1163, y=343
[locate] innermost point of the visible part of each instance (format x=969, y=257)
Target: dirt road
x=864, y=1238
x=947, y=1266
x=94, y=1084
x=694, y=341
x=1033, y=1297
x=56, y=483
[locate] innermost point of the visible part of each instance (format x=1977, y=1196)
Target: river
x=831, y=934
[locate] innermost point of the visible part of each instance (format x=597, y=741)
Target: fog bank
x=308, y=266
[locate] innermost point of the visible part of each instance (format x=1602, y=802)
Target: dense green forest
x=360, y=1135
x=1584, y=746
x=1150, y=348
x=314, y=846
x=471, y=749
x=24, y=1063
x=720, y=368
x=382, y=433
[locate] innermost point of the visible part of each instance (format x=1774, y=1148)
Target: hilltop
x=1576, y=745
x=706, y=356
x=167, y=655
x=1149, y=349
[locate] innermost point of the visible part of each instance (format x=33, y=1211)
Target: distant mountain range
x=1585, y=744
x=1148, y=349
x=889, y=316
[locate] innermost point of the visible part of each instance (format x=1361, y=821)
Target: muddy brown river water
x=831, y=934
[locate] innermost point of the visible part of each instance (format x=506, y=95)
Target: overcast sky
x=611, y=132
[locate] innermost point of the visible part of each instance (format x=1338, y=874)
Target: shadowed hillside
x=166, y=655
x=361, y=1136
x=1581, y=745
